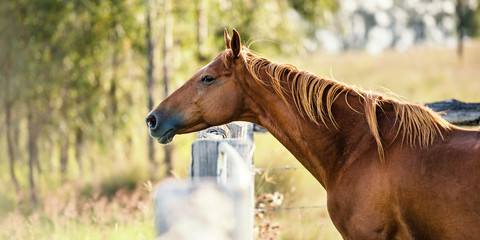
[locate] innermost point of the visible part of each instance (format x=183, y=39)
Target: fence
x=218, y=199
x=217, y=202
x=457, y=112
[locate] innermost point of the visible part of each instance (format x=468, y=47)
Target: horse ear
x=236, y=43
x=227, y=38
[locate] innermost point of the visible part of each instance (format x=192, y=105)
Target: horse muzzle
x=162, y=127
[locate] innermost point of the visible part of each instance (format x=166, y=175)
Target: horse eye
x=208, y=79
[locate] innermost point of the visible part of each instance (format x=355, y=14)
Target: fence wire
x=290, y=208
x=259, y=170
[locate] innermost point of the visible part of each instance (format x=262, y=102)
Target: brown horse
x=392, y=170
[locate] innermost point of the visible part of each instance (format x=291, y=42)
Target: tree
x=202, y=28
x=467, y=22
x=150, y=82
x=8, y=104
x=167, y=68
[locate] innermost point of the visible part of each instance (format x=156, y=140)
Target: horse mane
x=314, y=96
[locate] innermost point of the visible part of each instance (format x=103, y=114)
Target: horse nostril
x=151, y=122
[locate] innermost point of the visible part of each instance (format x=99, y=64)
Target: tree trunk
x=167, y=59
x=33, y=155
x=64, y=144
x=113, y=92
x=64, y=132
x=460, y=12
x=79, y=150
x=10, y=143
x=202, y=28
x=115, y=65
x=8, y=123
x=20, y=155
x=150, y=86
x=36, y=163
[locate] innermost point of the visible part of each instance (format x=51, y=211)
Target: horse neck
x=323, y=150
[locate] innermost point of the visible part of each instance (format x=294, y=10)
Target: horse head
x=212, y=96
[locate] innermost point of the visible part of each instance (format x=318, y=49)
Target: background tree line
x=79, y=76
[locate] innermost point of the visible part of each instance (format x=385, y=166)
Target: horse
x=391, y=169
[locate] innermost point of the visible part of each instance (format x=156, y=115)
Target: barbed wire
x=289, y=208
x=257, y=170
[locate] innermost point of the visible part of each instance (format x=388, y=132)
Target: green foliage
x=313, y=10
x=472, y=21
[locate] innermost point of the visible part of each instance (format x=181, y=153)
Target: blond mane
x=314, y=96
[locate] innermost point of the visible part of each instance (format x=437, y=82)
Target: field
x=116, y=205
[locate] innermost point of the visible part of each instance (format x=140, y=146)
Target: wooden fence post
x=218, y=209
x=195, y=211
x=207, y=161
x=457, y=112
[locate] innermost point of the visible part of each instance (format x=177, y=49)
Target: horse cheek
x=225, y=109
x=233, y=105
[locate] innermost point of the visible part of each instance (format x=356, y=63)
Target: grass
x=115, y=205
x=297, y=186
x=66, y=213
x=37, y=227
x=111, y=205
x=418, y=75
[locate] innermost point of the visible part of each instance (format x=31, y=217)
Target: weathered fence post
x=218, y=201
x=457, y=112
x=195, y=211
x=205, y=150
x=221, y=158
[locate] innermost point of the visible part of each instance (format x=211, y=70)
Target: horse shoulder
x=361, y=202
x=418, y=193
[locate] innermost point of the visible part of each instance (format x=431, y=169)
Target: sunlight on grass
x=309, y=217
x=111, y=203
x=418, y=75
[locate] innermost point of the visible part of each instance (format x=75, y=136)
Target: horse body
x=391, y=170
x=414, y=195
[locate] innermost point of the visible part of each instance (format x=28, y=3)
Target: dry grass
x=68, y=214
x=418, y=75
x=79, y=211
x=299, y=189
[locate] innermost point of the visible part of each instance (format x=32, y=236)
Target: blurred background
x=79, y=76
